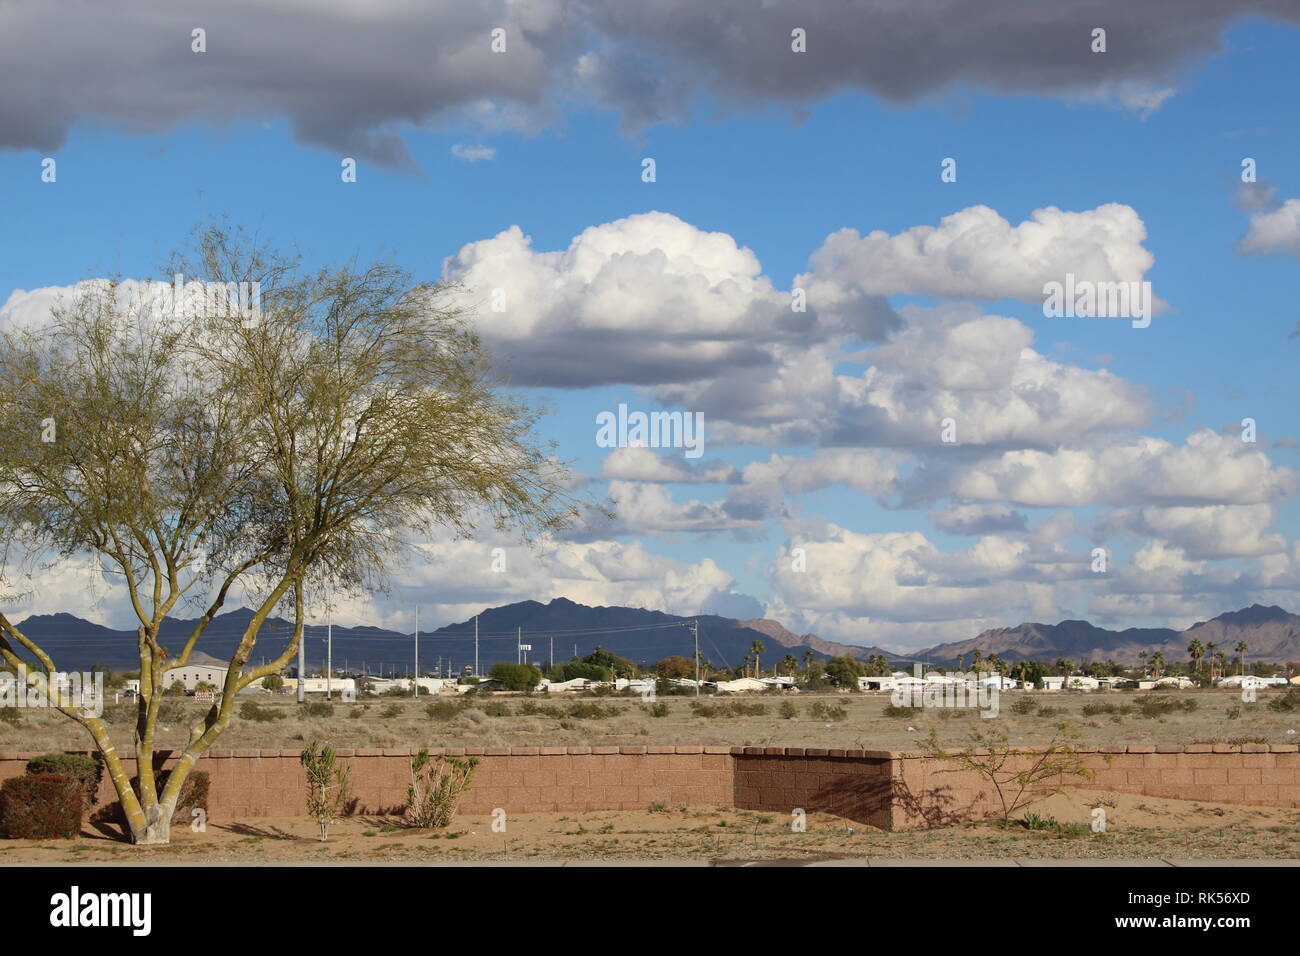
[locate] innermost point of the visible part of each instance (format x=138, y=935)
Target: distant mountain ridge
x=1271, y=633
x=570, y=628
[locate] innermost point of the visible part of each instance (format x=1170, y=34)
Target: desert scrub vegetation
x=730, y=708
x=1018, y=776
x=1287, y=703
x=900, y=711
x=251, y=710
x=327, y=786
x=820, y=710
x=436, y=785
x=1161, y=705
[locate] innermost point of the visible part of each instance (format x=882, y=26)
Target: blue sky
x=778, y=175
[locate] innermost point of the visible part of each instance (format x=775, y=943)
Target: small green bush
x=1159, y=705
x=318, y=708
x=658, y=709
x=788, y=710
x=1287, y=703
x=81, y=766
x=41, y=806
x=11, y=715
x=893, y=710
x=250, y=710
x=820, y=710
x=443, y=709
x=589, y=710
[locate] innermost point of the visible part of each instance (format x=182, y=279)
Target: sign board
x=525, y=647
x=206, y=696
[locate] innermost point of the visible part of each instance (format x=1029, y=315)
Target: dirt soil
x=1137, y=827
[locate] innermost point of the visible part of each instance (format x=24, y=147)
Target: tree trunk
x=157, y=828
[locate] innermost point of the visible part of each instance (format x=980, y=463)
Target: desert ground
x=851, y=721
x=1137, y=828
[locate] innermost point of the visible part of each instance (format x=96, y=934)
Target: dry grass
x=504, y=720
x=1138, y=828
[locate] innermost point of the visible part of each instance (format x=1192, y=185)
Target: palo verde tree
x=205, y=446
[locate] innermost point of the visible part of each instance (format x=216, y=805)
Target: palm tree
x=1142, y=656
x=808, y=658
x=1065, y=665
x=1210, y=656
x=1221, y=662
x=1196, y=650
x=1157, y=663
x=790, y=664
x=757, y=650
x=1241, y=657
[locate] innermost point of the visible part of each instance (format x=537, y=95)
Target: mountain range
x=564, y=628
x=1270, y=633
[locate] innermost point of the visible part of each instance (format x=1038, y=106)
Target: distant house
x=741, y=685
x=574, y=684
x=1179, y=683
x=877, y=683
x=1053, y=682
x=1244, y=680
x=191, y=675
x=999, y=682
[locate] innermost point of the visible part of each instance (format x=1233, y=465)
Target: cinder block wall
x=854, y=784
x=888, y=789
x=267, y=783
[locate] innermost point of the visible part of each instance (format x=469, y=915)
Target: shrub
x=1018, y=777
x=820, y=710
x=658, y=709
x=318, y=708
x=1286, y=703
x=443, y=709
x=495, y=708
x=81, y=766
x=516, y=676
x=531, y=708
x=41, y=806
x=727, y=708
x=564, y=672
x=391, y=711
x=327, y=786
x=11, y=715
x=893, y=710
x=788, y=710
x=249, y=710
x=1024, y=706
x=584, y=710
x=1158, y=705
x=436, y=785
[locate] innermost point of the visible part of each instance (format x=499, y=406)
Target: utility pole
x=695, y=632
x=476, y=645
x=551, y=660
x=415, y=684
x=519, y=638
x=329, y=655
